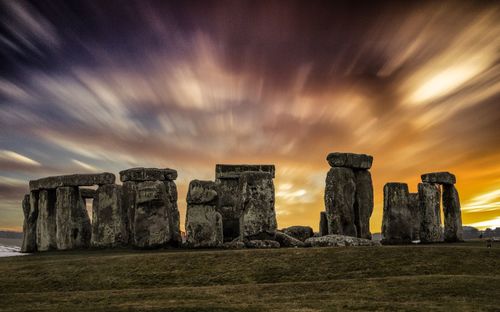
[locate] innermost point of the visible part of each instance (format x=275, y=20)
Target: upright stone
x=453, y=231
x=414, y=205
x=396, y=223
x=109, y=218
x=363, y=203
x=203, y=222
x=339, y=201
x=129, y=193
x=174, y=216
x=430, y=216
x=258, y=217
x=151, y=218
x=46, y=227
x=323, y=224
x=29, y=227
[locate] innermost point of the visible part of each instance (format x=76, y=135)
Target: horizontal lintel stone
x=234, y=171
x=350, y=160
x=148, y=174
x=72, y=180
x=439, y=178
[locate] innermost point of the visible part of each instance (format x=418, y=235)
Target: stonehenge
x=235, y=210
x=417, y=216
x=348, y=195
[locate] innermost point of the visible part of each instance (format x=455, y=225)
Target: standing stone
x=30, y=210
x=109, y=225
x=151, y=218
x=414, y=205
x=339, y=201
x=129, y=193
x=46, y=221
x=323, y=224
x=363, y=203
x=174, y=216
x=430, y=215
x=453, y=231
x=73, y=223
x=396, y=223
x=258, y=217
x=203, y=223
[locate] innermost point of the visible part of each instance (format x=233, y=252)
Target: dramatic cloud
x=104, y=86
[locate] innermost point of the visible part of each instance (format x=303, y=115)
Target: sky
x=93, y=86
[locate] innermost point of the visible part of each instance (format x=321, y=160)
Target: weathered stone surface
x=203, y=226
x=235, y=171
x=430, y=214
x=258, y=217
x=87, y=193
x=30, y=210
x=72, y=180
x=350, y=160
x=339, y=201
x=73, y=223
x=286, y=240
x=333, y=240
x=148, y=174
x=453, y=231
x=174, y=217
x=228, y=207
x=439, y=177
x=396, y=223
x=129, y=192
x=46, y=221
x=262, y=244
x=414, y=206
x=109, y=217
x=323, y=224
x=234, y=245
x=299, y=232
x=202, y=192
x=363, y=203
x=151, y=217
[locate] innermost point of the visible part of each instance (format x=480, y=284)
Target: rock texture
x=323, y=224
x=203, y=222
x=46, y=222
x=439, y=177
x=430, y=216
x=30, y=210
x=286, y=240
x=174, y=217
x=235, y=171
x=350, y=160
x=72, y=180
x=109, y=218
x=148, y=174
x=299, y=232
x=258, y=217
x=396, y=223
x=339, y=201
x=73, y=228
x=333, y=240
x=453, y=231
x=414, y=206
x=363, y=203
x=262, y=244
x=129, y=193
x=87, y=193
x=151, y=217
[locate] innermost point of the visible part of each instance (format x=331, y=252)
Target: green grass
x=460, y=277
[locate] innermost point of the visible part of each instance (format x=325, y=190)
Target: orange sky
x=186, y=86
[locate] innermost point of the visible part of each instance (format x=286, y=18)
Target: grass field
x=460, y=277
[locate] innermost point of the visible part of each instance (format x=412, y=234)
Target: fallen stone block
x=350, y=160
x=333, y=240
x=148, y=174
x=299, y=232
x=439, y=177
x=262, y=244
x=72, y=180
x=287, y=240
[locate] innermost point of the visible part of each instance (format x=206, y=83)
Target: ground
x=443, y=277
